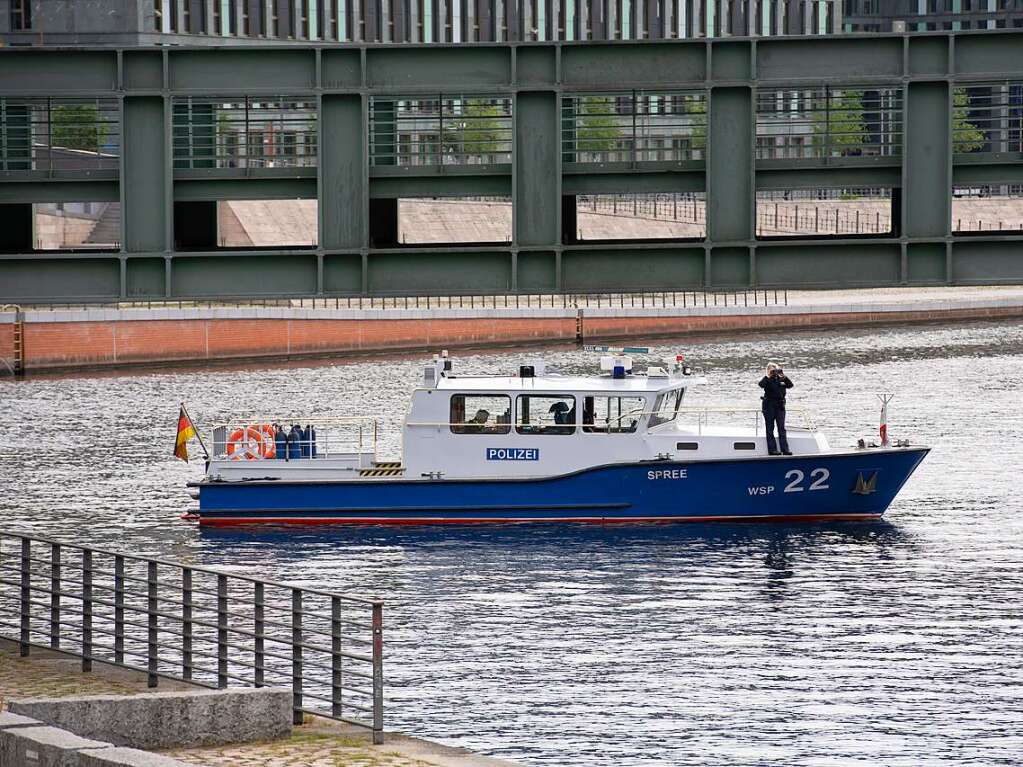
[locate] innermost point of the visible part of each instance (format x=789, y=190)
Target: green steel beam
x=343, y=79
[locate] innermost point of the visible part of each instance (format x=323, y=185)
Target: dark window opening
x=687, y=445
x=480, y=414
x=551, y=414
x=810, y=213
x=643, y=216
x=745, y=445
x=666, y=407
x=612, y=415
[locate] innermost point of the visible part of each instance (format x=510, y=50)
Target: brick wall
x=53, y=345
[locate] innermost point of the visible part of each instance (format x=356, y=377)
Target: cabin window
x=480, y=414
x=551, y=414
x=612, y=415
x=666, y=407
x=687, y=445
x=745, y=445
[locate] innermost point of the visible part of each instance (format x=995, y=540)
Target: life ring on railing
x=252, y=443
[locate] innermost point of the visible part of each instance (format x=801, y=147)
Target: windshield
x=666, y=407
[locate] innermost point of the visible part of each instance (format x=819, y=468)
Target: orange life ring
x=252, y=443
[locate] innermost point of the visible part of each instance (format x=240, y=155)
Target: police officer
x=774, y=385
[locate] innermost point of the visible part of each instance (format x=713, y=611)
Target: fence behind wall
x=211, y=628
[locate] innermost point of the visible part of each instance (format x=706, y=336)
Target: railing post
x=296, y=655
x=335, y=656
x=258, y=631
x=221, y=631
x=26, y=596
x=378, y=673
x=86, y=610
x=119, y=609
x=186, y=623
x=55, y=595
x=152, y=607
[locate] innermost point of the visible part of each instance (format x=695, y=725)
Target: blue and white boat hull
x=860, y=484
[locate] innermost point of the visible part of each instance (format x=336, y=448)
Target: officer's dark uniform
x=774, y=411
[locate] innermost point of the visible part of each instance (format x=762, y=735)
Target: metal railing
x=815, y=123
x=77, y=135
x=703, y=415
x=440, y=129
x=277, y=438
x=194, y=624
x=634, y=126
x=244, y=132
x=987, y=119
x=636, y=299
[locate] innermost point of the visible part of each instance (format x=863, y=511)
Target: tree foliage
x=476, y=131
x=839, y=127
x=966, y=137
x=696, y=108
x=598, y=129
x=77, y=126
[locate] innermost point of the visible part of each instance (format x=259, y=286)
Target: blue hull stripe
x=844, y=485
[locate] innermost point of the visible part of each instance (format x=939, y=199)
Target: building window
x=187, y=12
x=275, y=21
x=157, y=14
x=21, y=15
x=232, y=28
x=218, y=25
x=304, y=25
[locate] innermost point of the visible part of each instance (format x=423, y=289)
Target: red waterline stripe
x=233, y=521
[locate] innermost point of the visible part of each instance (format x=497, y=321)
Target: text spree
x=667, y=474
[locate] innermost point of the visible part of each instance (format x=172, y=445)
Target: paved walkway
x=317, y=743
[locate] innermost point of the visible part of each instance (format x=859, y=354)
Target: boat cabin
x=537, y=423
x=541, y=423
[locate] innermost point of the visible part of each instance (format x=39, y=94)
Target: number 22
x=819, y=476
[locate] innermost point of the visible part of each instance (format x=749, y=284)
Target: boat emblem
x=865, y=486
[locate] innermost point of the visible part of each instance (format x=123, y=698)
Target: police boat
x=538, y=446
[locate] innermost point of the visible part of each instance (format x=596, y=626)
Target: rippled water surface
x=896, y=643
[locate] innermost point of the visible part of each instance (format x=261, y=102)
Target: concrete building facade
x=930, y=15
x=226, y=22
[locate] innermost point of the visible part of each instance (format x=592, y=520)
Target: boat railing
x=800, y=418
x=288, y=438
x=703, y=416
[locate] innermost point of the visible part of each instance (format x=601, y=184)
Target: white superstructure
x=538, y=423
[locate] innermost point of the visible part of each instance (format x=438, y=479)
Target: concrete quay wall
x=168, y=719
x=118, y=337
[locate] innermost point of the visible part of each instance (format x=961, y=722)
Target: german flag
x=186, y=430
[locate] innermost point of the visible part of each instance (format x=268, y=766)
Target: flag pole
x=885, y=399
x=198, y=436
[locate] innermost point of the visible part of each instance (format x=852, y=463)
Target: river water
x=895, y=643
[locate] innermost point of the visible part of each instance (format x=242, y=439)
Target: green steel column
x=926, y=190
x=343, y=195
x=536, y=168
x=145, y=174
x=730, y=165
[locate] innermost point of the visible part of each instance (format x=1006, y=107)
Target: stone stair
x=108, y=226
